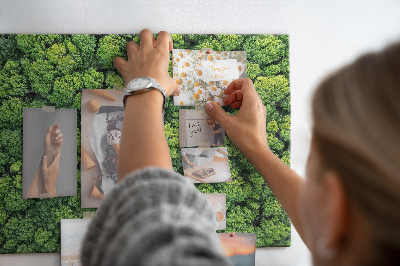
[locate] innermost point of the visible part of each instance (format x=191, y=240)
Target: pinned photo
x=49, y=153
x=73, y=232
x=218, y=201
x=204, y=74
x=102, y=115
x=198, y=129
x=206, y=165
x=239, y=247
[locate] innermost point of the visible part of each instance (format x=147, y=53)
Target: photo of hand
x=44, y=182
x=49, y=153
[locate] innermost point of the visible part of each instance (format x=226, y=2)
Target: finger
x=59, y=136
x=164, y=41
x=44, y=163
x=177, y=92
x=120, y=64
x=57, y=132
x=245, y=85
x=59, y=142
x=234, y=97
x=48, y=132
x=131, y=48
x=146, y=40
x=55, y=127
x=217, y=113
x=236, y=105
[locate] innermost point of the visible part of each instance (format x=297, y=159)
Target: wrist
x=256, y=150
x=49, y=188
x=152, y=99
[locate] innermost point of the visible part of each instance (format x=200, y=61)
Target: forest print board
x=53, y=69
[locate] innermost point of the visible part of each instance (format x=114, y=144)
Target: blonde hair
x=356, y=114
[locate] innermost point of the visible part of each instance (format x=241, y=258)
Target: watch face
x=141, y=83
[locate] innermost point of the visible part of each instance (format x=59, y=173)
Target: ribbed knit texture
x=153, y=217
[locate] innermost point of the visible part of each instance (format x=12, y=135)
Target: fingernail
x=209, y=106
x=179, y=90
x=45, y=157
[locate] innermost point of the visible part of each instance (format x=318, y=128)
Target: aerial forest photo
x=50, y=70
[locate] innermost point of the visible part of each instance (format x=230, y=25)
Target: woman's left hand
x=50, y=174
x=150, y=59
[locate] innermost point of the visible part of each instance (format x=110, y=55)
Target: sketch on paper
x=204, y=74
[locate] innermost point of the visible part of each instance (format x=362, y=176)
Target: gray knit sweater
x=154, y=217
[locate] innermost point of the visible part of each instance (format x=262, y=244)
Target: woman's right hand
x=246, y=129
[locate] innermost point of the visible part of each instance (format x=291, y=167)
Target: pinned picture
x=49, y=153
x=72, y=234
x=204, y=74
x=206, y=165
x=239, y=247
x=102, y=115
x=198, y=129
x=218, y=201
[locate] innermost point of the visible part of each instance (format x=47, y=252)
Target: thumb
x=44, y=163
x=49, y=131
x=218, y=113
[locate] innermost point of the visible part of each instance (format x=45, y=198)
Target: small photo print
x=102, y=114
x=204, y=74
x=206, y=165
x=239, y=247
x=72, y=234
x=218, y=201
x=198, y=129
x=49, y=153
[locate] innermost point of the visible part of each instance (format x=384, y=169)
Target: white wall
x=323, y=36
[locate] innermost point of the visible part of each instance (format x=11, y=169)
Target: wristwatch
x=142, y=85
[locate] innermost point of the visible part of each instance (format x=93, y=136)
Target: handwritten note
x=194, y=128
x=219, y=70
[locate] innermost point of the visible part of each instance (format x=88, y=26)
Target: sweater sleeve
x=153, y=217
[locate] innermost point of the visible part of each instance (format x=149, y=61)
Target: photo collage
x=61, y=132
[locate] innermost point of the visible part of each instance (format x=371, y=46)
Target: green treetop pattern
x=51, y=70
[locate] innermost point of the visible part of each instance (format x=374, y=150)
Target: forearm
x=33, y=191
x=143, y=140
x=285, y=183
x=50, y=190
x=36, y=186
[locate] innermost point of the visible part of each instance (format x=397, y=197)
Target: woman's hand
x=50, y=175
x=53, y=142
x=247, y=129
x=150, y=59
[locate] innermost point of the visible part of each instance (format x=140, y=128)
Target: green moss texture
x=51, y=70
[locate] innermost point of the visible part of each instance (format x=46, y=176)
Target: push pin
x=209, y=51
x=232, y=234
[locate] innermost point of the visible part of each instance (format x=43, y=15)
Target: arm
x=222, y=152
x=205, y=122
x=184, y=157
x=250, y=121
x=143, y=140
x=36, y=186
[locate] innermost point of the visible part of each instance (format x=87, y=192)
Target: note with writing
x=219, y=70
x=204, y=76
